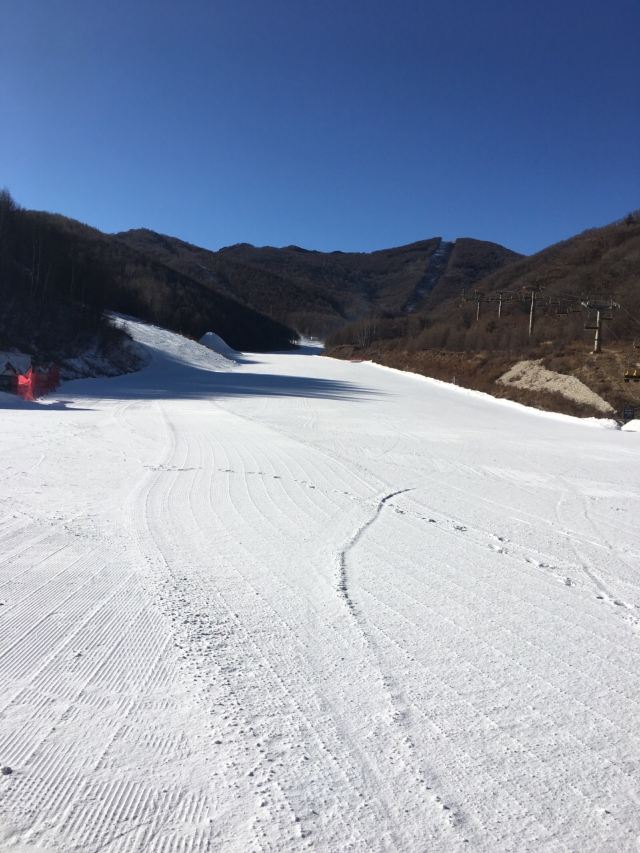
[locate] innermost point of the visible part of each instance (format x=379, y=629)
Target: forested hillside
x=53, y=293
x=59, y=276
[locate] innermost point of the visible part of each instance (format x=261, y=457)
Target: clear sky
x=346, y=125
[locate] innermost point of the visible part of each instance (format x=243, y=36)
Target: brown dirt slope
x=480, y=370
x=448, y=339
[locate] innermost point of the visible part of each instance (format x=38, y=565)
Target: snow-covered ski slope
x=300, y=604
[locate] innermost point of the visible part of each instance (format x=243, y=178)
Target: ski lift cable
x=626, y=311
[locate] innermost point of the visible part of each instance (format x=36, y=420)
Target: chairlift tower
x=533, y=293
x=604, y=311
x=479, y=298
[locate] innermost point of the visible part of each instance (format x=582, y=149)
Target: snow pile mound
x=532, y=376
x=215, y=343
x=631, y=426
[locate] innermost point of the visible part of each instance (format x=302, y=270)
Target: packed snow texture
x=534, y=377
x=300, y=604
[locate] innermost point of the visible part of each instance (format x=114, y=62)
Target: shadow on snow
x=169, y=378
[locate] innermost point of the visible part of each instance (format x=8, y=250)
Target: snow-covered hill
x=300, y=604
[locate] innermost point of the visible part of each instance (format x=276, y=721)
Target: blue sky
x=332, y=125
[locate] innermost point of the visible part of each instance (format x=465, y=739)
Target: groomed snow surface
x=293, y=603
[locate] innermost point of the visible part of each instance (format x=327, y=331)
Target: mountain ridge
x=315, y=292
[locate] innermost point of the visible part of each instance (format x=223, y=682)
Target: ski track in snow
x=343, y=585
x=294, y=604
